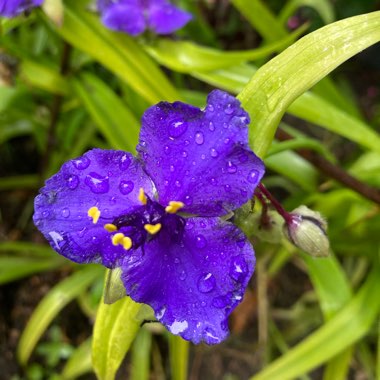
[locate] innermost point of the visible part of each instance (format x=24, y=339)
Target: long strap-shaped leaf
x=279, y=82
x=116, y=51
x=345, y=328
x=51, y=305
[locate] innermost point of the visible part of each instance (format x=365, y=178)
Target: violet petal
x=194, y=284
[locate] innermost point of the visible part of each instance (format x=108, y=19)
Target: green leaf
x=323, y=7
x=261, y=18
x=116, y=51
x=14, y=268
x=51, y=305
x=179, y=357
x=356, y=318
x=184, y=56
x=140, y=355
x=43, y=77
x=279, y=82
x=79, y=363
x=114, y=120
x=115, y=328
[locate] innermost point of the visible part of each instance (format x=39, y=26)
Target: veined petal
x=165, y=18
x=192, y=284
x=200, y=158
x=123, y=16
x=87, y=193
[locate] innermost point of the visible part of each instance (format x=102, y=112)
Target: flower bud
x=306, y=229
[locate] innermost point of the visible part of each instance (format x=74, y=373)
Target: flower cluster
x=12, y=8
x=135, y=16
x=161, y=216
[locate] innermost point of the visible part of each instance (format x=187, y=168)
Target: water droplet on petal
x=126, y=187
x=229, y=109
x=65, y=212
x=210, y=108
x=189, y=224
x=227, y=188
x=97, y=183
x=238, y=268
x=177, y=128
x=125, y=161
x=176, y=260
x=206, y=283
x=221, y=302
x=200, y=241
x=210, y=336
x=188, y=200
x=214, y=153
x=227, y=140
x=211, y=126
x=231, y=167
x=171, y=168
x=72, y=182
x=82, y=232
x=186, y=142
x=213, y=181
x=199, y=138
x=253, y=176
x=182, y=275
x=45, y=214
x=184, y=154
x=81, y=163
x=167, y=149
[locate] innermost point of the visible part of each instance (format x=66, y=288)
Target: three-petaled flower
x=135, y=16
x=12, y=8
x=158, y=216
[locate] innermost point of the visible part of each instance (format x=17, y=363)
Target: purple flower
x=158, y=216
x=12, y=8
x=134, y=16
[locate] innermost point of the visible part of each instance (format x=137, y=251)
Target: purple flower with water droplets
x=161, y=216
x=12, y=8
x=135, y=16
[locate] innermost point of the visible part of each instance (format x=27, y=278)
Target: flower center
x=144, y=223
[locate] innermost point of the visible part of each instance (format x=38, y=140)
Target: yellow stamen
x=127, y=243
x=118, y=238
x=94, y=213
x=174, y=206
x=153, y=228
x=142, y=196
x=110, y=227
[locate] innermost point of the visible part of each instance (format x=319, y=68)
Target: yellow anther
x=174, y=206
x=127, y=243
x=118, y=238
x=153, y=228
x=142, y=196
x=94, y=213
x=110, y=227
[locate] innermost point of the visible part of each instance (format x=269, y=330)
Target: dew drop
x=229, y=109
x=82, y=163
x=210, y=336
x=231, y=167
x=226, y=140
x=221, y=302
x=213, y=181
x=176, y=260
x=182, y=275
x=211, y=126
x=227, y=188
x=188, y=200
x=186, y=142
x=97, y=183
x=167, y=149
x=199, y=138
x=184, y=154
x=65, y=212
x=125, y=161
x=45, y=214
x=189, y=224
x=252, y=176
x=177, y=183
x=206, y=283
x=126, y=187
x=203, y=156
x=238, y=268
x=171, y=168
x=82, y=232
x=177, y=128
x=214, y=153
x=210, y=108
x=200, y=241
x=72, y=182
